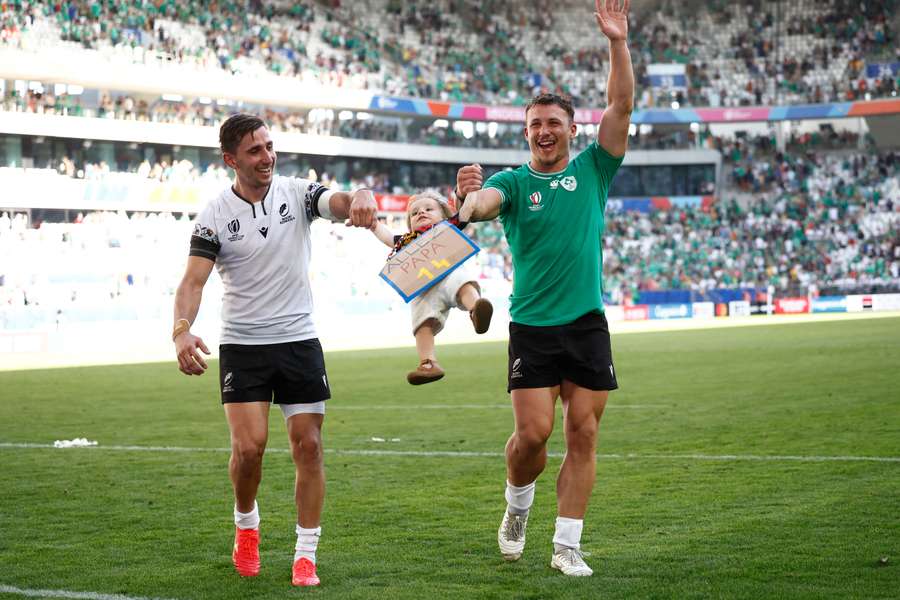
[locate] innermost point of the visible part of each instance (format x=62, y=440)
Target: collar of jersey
x=541, y=175
x=265, y=197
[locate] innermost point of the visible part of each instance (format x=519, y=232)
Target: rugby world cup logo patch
x=535, y=199
x=234, y=228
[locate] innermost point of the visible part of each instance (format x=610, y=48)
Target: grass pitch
x=728, y=469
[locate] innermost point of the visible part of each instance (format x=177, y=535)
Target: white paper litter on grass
x=76, y=443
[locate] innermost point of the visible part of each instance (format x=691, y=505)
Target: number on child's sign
x=441, y=263
x=426, y=273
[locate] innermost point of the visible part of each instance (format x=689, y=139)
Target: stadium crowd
x=816, y=222
x=375, y=128
x=494, y=51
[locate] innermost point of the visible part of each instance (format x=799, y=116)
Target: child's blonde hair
x=442, y=202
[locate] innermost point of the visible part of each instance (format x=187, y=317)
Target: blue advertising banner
x=829, y=304
x=670, y=311
x=667, y=76
x=668, y=81
x=881, y=70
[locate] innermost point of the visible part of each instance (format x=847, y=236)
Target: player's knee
x=582, y=437
x=248, y=453
x=533, y=438
x=308, y=449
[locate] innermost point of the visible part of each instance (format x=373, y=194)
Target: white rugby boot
x=511, y=535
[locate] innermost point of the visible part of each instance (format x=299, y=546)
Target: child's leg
x=468, y=295
x=480, y=309
x=428, y=370
x=425, y=340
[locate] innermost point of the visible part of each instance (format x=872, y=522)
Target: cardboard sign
x=427, y=259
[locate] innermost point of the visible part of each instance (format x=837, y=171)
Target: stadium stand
x=497, y=52
x=802, y=210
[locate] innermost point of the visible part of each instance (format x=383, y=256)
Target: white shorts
x=437, y=301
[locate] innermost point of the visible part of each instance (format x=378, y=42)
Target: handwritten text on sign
x=427, y=260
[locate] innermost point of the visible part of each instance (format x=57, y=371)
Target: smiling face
x=424, y=211
x=549, y=132
x=254, y=160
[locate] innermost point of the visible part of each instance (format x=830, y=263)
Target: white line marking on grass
x=7, y=589
x=467, y=454
x=466, y=406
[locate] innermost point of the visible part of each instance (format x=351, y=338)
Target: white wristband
x=324, y=205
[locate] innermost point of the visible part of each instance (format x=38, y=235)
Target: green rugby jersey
x=554, y=225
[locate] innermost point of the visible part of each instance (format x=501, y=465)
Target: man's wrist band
x=181, y=325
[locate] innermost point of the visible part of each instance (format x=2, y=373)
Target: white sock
x=307, y=542
x=568, y=533
x=248, y=520
x=519, y=499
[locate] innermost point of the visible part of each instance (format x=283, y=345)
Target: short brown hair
x=547, y=99
x=235, y=128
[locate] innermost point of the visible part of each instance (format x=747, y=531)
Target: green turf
x=660, y=525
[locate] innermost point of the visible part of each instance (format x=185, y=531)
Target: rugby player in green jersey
x=552, y=212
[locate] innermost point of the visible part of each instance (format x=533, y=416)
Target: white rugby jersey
x=262, y=253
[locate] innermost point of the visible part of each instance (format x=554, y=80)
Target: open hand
x=187, y=347
x=612, y=17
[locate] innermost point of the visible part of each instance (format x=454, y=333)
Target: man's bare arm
x=187, y=304
x=359, y=207
x=612, y=135
x=482, y=205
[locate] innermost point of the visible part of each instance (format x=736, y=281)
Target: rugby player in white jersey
x=256, y=233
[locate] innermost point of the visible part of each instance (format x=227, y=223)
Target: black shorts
x=294, y=372
x=578, y=352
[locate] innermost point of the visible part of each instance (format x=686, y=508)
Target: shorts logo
x=612, y=373
x=325, y=381
x=535, y=199
x=516, y=369
x=226, y=382
x=234, y=228
x=285, y=212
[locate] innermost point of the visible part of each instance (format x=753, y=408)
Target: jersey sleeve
x=205, y=237
x=603, y=162
x=505, y=183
